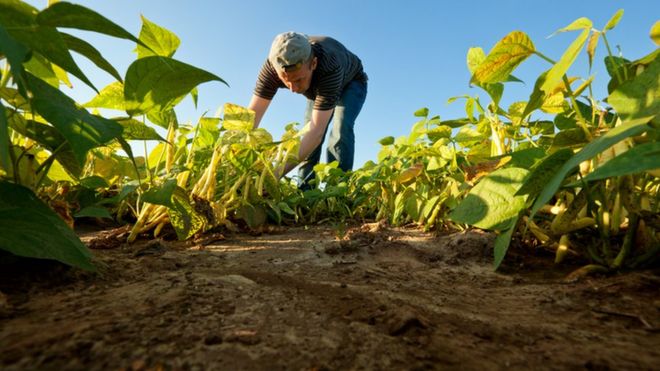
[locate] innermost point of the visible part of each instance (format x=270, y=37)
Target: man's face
x=298, y=81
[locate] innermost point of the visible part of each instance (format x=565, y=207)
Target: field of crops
x=564, y=179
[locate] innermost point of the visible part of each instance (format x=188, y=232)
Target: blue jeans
x=341, y=142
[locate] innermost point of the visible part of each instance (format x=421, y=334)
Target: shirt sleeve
x=267, y=82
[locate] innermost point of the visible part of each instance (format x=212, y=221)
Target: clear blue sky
x=413, y=51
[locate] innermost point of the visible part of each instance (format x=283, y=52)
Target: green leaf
x=563, y=122
x=49, y=138
x=502, y=242
x=110, y=97
x=237, y=118
x=94, y=182
x=595, y=147
x=14, y=98
x=4, y=139
x=67, y=15
x=161, y=195
x=655, y=33
x=153, y=83
x=613, y=21
x=438, y=133
x=185, y=220
x=15, y=52
x=578, y=24
x=165, y=118
x=43, y=69
x=81, y=129
x=456, y=123
x=526, y=158
x=29, y=228
x=544, y=171
x=387, y=141
x=254, y=216
x=570, y=138
x=640, y=158
x=208, y=132
x=492, y=203
x=556, y=73
x=161, y=41
x=137, y=130
x=495, y=91
x=93, y=212
x=86, y=49
x=475, y=57
x=422, y=112
x=19, y=20
x=505, y=56
x=638, y=100
x=467, y=135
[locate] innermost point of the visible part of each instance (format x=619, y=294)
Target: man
x=335, y=85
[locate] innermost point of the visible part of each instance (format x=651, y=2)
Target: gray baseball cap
x=289, y=51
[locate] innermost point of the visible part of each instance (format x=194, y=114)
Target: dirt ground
x=303, y=299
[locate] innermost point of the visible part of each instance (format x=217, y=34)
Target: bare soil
x=305, y=299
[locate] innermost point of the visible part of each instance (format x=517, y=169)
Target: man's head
x=292, y=57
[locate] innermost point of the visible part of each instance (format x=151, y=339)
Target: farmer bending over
x=335, y=85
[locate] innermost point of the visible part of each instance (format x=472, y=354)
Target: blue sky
x=413, y=51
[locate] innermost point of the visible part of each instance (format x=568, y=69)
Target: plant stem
x=544, y=57
x=609, y=52
x=628, y=241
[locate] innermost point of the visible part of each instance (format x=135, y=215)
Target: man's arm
x=259, y=106
x=312, y=138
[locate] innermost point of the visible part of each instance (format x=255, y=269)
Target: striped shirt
x=335, y=69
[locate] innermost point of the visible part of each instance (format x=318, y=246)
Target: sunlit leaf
x=556, y=73
x=110, y=97
x=638, y=100
x=185, y=220
x=492, y=203
x=237, y=118
x=591, y=47
x=15, y=52
x=137, y=130
x=153, y=83
x=29, y=228
x=578, y=24
x=14, y=98
x=613, y=21
x=42, y=68
x=475, y=57
x=655, y=33
x=467, y=135
x=161, y=41
x=410, y=173
x=505, y=56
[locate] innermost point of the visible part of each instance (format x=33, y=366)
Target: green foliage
x=29, y=228
x=493, y=203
